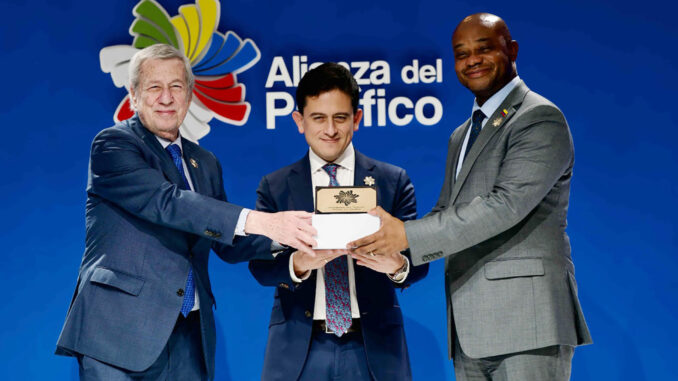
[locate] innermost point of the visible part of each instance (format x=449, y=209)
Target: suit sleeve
x=243, y=248
x=539, y=152
x=405, y=208
x=276, y=271
x=449, y=172
x=121, y=173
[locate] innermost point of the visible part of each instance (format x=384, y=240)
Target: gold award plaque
x=358, y=199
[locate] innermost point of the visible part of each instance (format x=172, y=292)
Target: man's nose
x=474, y=59
x=165, y=96
x=330, y=128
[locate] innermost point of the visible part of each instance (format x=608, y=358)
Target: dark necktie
x=189, y=293
x=337, y=296
x=476, y=126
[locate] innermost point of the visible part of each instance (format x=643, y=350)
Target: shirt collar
x=166, y=142
x=491, y=105
x=345, y=160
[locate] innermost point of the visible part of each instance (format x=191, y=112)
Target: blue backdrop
x=608, y=65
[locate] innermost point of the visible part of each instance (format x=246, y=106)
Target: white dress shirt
x=165, y=143
x=345, y=175
x=319, y=177
x=489, y=107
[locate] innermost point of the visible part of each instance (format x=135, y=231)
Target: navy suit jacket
x=290, y=188
x=143, y=234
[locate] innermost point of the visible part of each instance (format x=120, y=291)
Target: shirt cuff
x=242, y=219
x=400, y=278
x=294, y=276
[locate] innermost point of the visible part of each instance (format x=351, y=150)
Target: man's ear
x=513, y=50
x=357, y=117
x=190, y=97
x=132, y=98
x=299, y=120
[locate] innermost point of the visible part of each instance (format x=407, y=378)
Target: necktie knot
x=476, y=126
x=478, y=117
x=175, y=151
x=331, y=170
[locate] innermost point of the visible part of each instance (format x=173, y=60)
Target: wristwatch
x=401, y=273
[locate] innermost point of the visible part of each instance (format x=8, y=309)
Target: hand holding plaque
x=341, y=215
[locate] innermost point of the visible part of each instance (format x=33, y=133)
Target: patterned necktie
x=189, y=293
x=476, y=126
x=337, y=296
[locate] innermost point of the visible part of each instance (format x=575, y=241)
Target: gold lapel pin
x=369, y=181
x=496, y=122
x=194, y=163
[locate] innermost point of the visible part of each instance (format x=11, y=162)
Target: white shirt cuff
x=242, y=219
x=294, y=276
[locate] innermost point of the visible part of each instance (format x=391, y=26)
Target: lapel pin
x=369, y=181
x=194, y=163
x=504, y=113
x=496, y=122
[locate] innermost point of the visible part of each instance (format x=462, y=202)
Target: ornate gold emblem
x=496, y=122
x=369, y=181
x=346, y=198
x=194, y=163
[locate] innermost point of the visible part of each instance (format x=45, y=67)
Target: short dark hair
x=326, y=77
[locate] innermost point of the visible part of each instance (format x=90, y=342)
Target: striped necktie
x=189, y=293
x=337, y=296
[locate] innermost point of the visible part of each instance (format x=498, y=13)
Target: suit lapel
x=363, y=169
x=193, y=165
x=492, y=126
x=455, y=150
x=301, y=186
x=166, y=164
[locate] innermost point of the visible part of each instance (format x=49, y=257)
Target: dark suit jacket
x=501, y=226
x=290, y=188
x=143, y=235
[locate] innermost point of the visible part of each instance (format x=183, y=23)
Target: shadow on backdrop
x=424, y=352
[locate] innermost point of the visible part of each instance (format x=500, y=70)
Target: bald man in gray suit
x=513, y=309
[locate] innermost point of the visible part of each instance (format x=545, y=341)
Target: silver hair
x=162, y=52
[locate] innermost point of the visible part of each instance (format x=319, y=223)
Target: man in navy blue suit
x=304, y=343
x=156, y=205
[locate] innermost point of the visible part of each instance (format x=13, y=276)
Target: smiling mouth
x=477, y=73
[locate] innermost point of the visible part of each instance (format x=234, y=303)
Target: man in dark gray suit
x=142, y=307
x=513, y=310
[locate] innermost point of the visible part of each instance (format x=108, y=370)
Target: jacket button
x=180, y=292
x=308, y=313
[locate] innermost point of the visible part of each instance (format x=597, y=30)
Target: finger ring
x=371, y=253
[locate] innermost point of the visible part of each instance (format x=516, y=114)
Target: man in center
x=307, y=339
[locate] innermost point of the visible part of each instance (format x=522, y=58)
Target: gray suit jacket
x=501, y=226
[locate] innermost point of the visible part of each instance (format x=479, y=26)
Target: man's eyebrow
x=317, y=114
x=482, y=39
